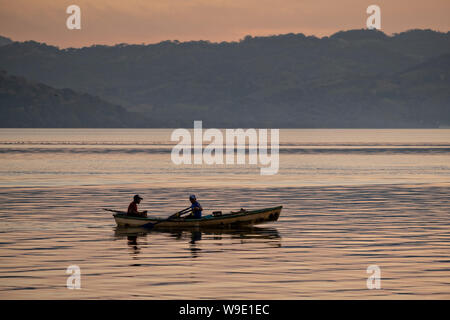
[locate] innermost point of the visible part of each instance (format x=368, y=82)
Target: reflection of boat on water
x=217, y=233
x=137, y=236
x=194, y=235
x=219, y=220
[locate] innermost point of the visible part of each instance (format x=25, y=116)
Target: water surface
x=352, y=198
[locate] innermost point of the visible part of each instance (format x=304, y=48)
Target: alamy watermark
x=374, y=20
x=74, y=280
x=224, y=151
x=74, y=20
x=374, y=280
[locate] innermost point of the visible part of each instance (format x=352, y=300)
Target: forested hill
x=5, y=41
x=357, y=78
x=28, y=104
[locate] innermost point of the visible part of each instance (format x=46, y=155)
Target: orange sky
x=149, y=21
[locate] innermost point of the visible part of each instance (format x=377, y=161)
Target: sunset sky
x=150, y=21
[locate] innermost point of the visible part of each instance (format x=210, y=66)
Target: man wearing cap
x=132, y=208
x=195, y=207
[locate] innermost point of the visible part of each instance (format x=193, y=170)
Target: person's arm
x=141, y=213
x=195, y=210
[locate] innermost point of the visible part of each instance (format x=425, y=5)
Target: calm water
x=352, y=198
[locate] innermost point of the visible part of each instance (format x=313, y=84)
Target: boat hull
x=232, y=219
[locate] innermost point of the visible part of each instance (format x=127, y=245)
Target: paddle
x=176, y=214
x=179, y=213
x=115, y=211
x=150, y=225
x=170, y=217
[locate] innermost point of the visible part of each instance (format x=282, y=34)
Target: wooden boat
x=231, y=219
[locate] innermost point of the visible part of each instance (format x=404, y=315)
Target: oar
x=115, y=211
x=179, y=212
x=151, y=225
x=170, y=217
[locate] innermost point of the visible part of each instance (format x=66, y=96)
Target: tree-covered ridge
x=5, y=41
x=357, y=78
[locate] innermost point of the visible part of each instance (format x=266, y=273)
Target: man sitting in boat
x=196, y=208
x=132, y=208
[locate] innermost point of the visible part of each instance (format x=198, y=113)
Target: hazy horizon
x=138, y=21
x=226, y=41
